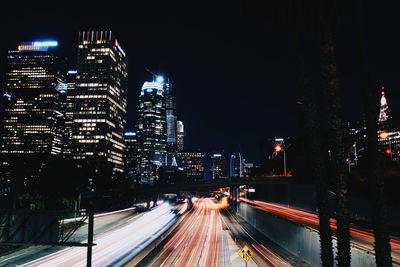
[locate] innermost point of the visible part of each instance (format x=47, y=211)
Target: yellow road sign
x=245, y=253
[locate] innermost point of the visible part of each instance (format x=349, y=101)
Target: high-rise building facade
x=219, y=166
x=35, y=83
x=131, y=156
x=236, y=166
x=151, y=130
x=247, y=167
x=100, y=100
x=170, y=110
x=192, y=162
x=388, y=131
x=180, y=132
x=69, y=112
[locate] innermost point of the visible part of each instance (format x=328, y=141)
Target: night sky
x=234, y=76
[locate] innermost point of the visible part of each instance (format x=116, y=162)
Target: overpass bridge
x=211, y=184
x=122, y=197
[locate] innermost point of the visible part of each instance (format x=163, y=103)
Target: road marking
x=234, y=256
x=134, y=217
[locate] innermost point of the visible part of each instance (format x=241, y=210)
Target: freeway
x=117, y=246
x=104, y=222
x=75, y=219
x=265, y=251
x=206, y=237
x=362, y=238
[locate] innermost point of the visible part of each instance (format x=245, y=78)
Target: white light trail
x=116, y=247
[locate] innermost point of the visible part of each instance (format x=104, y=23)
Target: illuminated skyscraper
x=192, y=162
x=384, y=108
x=152, y=130
x=170, y=109
x=69, y=112
x=35, y=85
x=131, y=156
x=180, y=134
x=219, y=166
x=100, y=100
x=236, y=165
x=388, y=131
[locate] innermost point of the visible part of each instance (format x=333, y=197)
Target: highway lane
x=362, y=238
x=116, y=247
x=263, y=254
x=206, y=239
x=197, y=242
x=103, y=223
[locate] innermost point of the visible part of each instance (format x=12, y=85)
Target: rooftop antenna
x=149, y=71
x=158, y=78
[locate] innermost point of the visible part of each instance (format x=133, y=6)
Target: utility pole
x=284, y=162
x=90, y=239
x=349, y=161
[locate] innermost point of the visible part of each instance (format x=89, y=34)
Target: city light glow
x=384, y=135
x=152, y=85
x=160, y=79
x=46, y=43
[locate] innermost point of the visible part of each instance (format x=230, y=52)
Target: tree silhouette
x=372, y=158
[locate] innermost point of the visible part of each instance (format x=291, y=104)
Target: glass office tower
x=180, y=132
x=33, y=117
x=192, y=162
x=152, y=130
x=100, y=101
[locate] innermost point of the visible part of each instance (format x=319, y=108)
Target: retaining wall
x=295, y=238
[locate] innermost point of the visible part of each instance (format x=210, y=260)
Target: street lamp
x=279, y=148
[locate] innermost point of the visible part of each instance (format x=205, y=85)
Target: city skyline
x=164, y=134
x=217, y=68
x=88, y=109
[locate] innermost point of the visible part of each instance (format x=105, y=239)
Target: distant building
x=356, y=135
x=171, y=118
x=69, y=112
x=33, y=112
x=219, y=166
x=180, y=134
x=388, y=131
x=384, y=115
x=100, y=101
x=247, y=167
x=131, y=156
x=170, y=175
x=192, y=162
x=170, y=110
x=236, y=165
x=152, y=130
